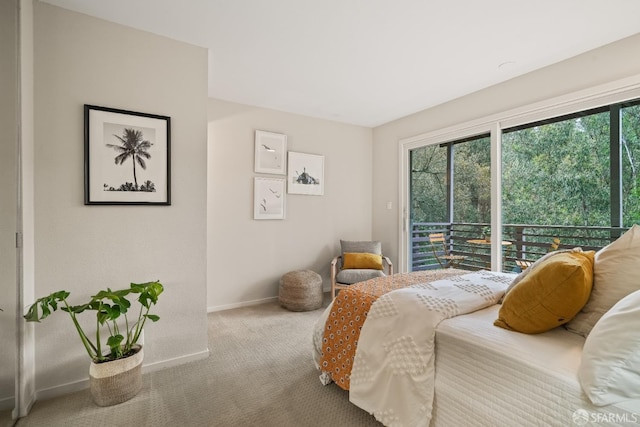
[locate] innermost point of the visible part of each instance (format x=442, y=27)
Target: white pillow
x=610, y=368
x=616, y=273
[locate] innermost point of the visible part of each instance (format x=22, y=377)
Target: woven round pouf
x=301, y=290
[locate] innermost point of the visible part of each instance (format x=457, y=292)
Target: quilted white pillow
x=616, y=270
x=610, y=368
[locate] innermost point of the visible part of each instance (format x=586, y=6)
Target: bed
x=507, y=378
x=456, y=367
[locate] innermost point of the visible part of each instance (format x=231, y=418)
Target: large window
x=564, y=171
x=557, y=173
x=472, y=181
x=630, y=153
x=429, y=185
x=468, y=182
x=568, y=181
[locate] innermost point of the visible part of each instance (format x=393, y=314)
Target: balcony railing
x=523, y=242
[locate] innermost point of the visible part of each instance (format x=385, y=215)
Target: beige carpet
x=260, y=373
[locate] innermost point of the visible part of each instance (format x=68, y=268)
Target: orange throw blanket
x=349, y=311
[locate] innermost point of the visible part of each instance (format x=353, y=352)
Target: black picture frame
x=127, y=157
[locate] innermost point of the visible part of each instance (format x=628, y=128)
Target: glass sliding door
x=450, y=193
x=428, y=204
x=567, y=181
x=429, y=184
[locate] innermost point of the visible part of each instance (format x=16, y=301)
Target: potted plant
x=115, y=374
x=486, y=234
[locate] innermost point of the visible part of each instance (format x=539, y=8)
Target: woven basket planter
x=116, y=381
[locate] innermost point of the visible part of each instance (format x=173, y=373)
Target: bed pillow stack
x=550, y=295
x=616, y=275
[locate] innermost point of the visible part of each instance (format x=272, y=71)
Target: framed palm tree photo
x=126, y=157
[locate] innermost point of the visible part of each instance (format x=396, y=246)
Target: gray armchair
x=358, y=261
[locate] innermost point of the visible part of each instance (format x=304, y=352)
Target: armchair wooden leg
x=334, y=271
x=333, y=279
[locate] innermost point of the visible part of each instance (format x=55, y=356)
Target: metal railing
x=521, y=242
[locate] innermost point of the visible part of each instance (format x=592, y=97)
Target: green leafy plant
x=111, y=309
x=486, y=233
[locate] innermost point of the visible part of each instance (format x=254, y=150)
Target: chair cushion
x=352, y=260
x=352, y=246
x=355, y=275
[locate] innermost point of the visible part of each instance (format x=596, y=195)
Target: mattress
x=489, y=376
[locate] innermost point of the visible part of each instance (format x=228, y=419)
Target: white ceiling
x=368, y=62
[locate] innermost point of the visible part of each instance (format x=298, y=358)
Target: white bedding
x=393, y=370
x=489, y=376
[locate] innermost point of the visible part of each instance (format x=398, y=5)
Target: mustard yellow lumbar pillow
x=361, y=260
x=550, y=295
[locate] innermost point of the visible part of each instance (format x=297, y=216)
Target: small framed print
x=126, y=157
x=306, y=174
x=268, y=198
x=270, y=152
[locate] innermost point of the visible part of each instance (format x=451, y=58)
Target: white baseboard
x=7, y=403
x=61, y=390
x=163, y=364
x=240, y=304
x=10, y=403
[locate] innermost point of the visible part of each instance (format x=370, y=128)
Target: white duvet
x=393, y=371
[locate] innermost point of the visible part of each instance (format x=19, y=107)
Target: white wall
x=247, y=257
x=25, y=390
x=78, y=60
x=603, y=65
x=9, y=111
